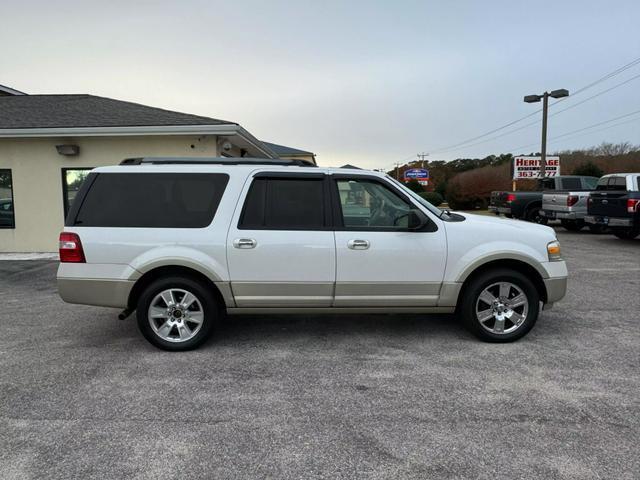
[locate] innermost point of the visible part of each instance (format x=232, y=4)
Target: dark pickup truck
x=616, y=204
x=526, y=205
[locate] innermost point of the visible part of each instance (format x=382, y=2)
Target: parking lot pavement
x=83, y=395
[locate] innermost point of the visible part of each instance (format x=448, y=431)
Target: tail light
x=510, y=197
x=589, y=201
x=632, y=205
x=572, y=200
x=70, y=248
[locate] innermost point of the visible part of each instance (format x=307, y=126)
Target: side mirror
x=416, y=220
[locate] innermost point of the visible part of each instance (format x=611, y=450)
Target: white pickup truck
x=569, y=206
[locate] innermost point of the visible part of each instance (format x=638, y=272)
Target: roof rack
x=215, y=161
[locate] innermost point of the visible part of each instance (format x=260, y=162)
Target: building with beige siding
x=48, y=143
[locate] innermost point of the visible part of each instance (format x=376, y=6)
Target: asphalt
x=83, y=395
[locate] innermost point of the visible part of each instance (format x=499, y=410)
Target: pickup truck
x=569, y=206
x=616, y=204
x=527, y=205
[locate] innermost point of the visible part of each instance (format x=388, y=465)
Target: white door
x=382, y=259
x=280, y=247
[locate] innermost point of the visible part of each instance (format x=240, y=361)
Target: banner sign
x=529, y=167
x=419, y=174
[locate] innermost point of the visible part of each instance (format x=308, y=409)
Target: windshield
x=435, y=210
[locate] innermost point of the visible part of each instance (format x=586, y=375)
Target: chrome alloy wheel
x=502, y=308
x=175, y=315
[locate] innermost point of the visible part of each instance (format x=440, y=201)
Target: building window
x=7, y=216
x=72, y=179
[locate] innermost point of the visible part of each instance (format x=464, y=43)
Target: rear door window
x=285, y=204
x=152, y=200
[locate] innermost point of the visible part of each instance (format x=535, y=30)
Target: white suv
x=184, y=241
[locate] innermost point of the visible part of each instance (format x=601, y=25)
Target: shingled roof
x=72, y=111
x=284, y=150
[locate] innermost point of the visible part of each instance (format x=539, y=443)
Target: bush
x=414, y=186
x=434, y=198
x=588, y=168
x=471, y=190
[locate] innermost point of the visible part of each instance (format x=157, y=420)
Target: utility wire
x=577, y=92
x=579, y=130
x=594, y=96
x=527, y=125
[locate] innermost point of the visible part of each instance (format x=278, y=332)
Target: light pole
x=545, y=106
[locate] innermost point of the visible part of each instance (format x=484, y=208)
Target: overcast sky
x=362, y=82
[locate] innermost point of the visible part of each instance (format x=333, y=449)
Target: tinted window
x=571, y=184
x=548, y=184
x=617, y=183
x=590, y=182
x=72, y=180
x=284, y=203
x=366, y=203
x=602, y=183
x=7, y=218
x=161, y=200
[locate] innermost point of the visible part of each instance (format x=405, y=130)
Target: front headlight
x=553, y=250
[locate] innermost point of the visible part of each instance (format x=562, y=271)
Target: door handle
x=358, y=244
x=244, y=243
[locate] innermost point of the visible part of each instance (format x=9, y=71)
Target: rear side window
x=152, y=200
x=571, y=184
x=284, y=204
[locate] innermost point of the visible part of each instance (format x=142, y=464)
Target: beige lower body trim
x=336, y=310
x=384, y=294
x=556, y=288
x=99, y=292
x=347, y=294
x=449, y=294
x=282, y=294
x=227, y=295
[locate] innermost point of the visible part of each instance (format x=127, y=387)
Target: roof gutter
x=256, y=143
x=221, y=130
x=11, y=91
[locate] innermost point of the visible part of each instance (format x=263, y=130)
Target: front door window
x=369, y=204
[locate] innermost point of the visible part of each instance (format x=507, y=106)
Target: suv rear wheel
x=500, y=305
x=176, y=313
x=626, y=233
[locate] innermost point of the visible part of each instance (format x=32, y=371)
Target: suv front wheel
x=500, y=305
x=176, y=313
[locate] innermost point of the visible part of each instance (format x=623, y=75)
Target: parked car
x=527, y=205
x=183, y=241
x=569, y=206
x=616, y=204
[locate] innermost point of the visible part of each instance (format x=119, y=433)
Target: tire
x=626, y=233
x=175, y=331
x=489, y=329
x=572, y=225
x=595, y=228
x=533, y=215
